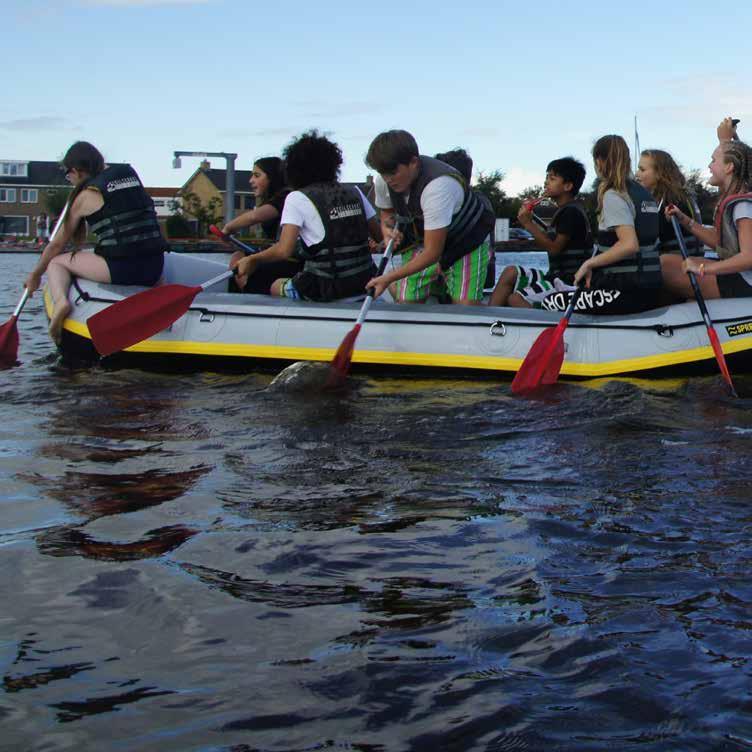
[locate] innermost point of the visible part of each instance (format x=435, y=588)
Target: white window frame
x=32, y=196
x=17, y=216
x=8, y=193
x=7, y=168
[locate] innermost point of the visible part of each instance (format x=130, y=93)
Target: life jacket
x=469, y=227
x=643, y=270
x=343, y=252
x=127, y=224
x=566, y=263
x=728, y=236
x=692, y=243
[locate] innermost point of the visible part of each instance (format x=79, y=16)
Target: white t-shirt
x=300, y=211
x=439, y=202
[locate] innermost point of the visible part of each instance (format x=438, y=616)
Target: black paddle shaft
x=695, y=285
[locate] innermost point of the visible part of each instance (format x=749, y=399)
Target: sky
x=516, y=84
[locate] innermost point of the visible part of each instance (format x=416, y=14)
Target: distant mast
x=636, y=140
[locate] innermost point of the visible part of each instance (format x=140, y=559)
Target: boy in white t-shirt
x=447, y=239
x=333, y=222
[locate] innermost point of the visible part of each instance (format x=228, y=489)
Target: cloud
x=317, y=109
x=41, y=123
x=516, y=179
x=141, y=3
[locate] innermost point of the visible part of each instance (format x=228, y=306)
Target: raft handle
x=664, y=331
x=501, y=326
x=207, y=317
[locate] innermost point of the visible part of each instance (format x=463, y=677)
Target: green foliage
x=206, y=214
x=55, y=200
x=489, y=185
x=177, y=226
x=706, y=198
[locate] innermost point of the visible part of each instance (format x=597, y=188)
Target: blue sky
x=515, y=84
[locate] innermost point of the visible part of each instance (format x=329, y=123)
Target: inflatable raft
x=226, y=329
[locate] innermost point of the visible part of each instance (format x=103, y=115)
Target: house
x=23, y=187
x=207, y=183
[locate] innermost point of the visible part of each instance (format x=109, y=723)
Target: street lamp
x=229, y=179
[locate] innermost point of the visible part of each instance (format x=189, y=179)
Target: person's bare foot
x=59, y=314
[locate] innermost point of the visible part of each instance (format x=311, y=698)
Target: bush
x=177, y=226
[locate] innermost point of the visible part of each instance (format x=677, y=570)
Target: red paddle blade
x=139, y=317
x=8, y=343
x=340, y=364
x=718, y=350
x=543, y=363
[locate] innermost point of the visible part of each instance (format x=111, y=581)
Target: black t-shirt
x=571, y=223
x=271, y=228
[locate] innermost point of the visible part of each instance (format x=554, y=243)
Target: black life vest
x=343, y=252
x=469, y=227
x=728, y=237
x=668, y=241
x=566, y=263
x=643, y=270
x=127, y=224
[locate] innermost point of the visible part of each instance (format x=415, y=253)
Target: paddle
x=142, y=315
x=340, y=364
x=9, y=330
x=712, y=335
x=232, y=239
x=543, y=362
x=9, y=335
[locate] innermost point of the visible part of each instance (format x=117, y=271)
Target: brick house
x=23, y=185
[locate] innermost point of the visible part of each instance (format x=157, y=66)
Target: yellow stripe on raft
x=429, y=360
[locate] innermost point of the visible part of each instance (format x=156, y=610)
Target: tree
x=206, y=214
x=55, y=200
x=706, y=199
x=488, y=185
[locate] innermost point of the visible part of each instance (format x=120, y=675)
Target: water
x=192, y=562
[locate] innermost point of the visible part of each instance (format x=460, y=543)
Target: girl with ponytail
x=110, y=202
x=730, y=236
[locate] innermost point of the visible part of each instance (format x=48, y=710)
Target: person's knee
x=508, y=276
x=276, y=288
x=517, y=301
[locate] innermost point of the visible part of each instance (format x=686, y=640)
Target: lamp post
x=229, y=178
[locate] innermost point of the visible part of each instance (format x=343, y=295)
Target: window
x=8, y=195
x=14, y=169
x=29, y=195
x=14, y=225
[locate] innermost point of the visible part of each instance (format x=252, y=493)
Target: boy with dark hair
x=568, y=241
x=445, y=241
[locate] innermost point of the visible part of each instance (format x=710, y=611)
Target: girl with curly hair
x=332, y=221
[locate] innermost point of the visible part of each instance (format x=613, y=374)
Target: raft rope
x=665, y=330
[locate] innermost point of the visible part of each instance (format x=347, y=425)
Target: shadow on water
x=405, y=565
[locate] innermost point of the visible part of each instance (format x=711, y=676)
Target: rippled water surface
x=198, y=562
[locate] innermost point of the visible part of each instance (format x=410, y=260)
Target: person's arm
x=727, y=130
x=433, y=247
x=263, y=213
x=282, y=250
x=374, y=230
x=553, y=246
x=739, y=262
x=625, y=246
x=706, y=235
x=86, y=203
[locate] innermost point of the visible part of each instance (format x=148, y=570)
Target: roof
x=219, y=177
x=40, y=173
x=162, y=192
